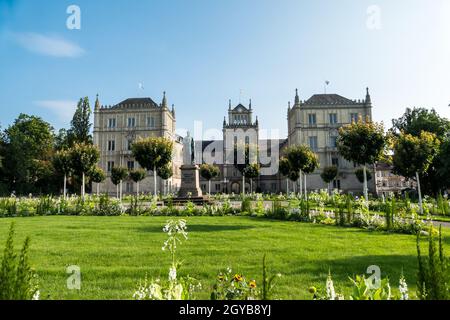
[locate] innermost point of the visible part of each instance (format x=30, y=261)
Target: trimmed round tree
x=362, y=143
x=294, y=176
x=153, y=154
x=84, y=158
x=62, y=161
x=414, y=155
x=310, y=167
x=302, y=159
x=97, y=176
x=165, y=173
x=209, y=172
x=137, y=176
x=252, y=171
x=328, y=175
x=285, y=168
x=118, y=174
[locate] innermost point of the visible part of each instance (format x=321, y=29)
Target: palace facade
x=117, y=127
x=314, y=122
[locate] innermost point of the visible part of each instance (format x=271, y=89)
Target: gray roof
x=241, y=106
x=326, y=99
x=136, y=103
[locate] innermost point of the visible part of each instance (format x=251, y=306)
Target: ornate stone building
x=117, y=127
x=315, y=122
x=239, y=130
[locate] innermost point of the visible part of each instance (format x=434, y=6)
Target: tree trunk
x=137, y=188
x=243, y=185
x=82, y=186
x=251, y=185
x=287, y=186
x=419, y=191
x=98, y=189
x=120, y=191
x=306, y=190
x=329, y=188
x=65, y=186
x=154, y=180
x=209, y=187
x=301, y=183
x=117, y=191
x=366, y=195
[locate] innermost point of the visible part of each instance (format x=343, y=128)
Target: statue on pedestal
x=188, y=149
x=190, y=178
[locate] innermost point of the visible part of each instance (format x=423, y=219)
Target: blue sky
x=204, y=52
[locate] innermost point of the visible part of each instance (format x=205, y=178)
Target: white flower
x=36, y=295
x=172, y=274
x=331, y=293
x=403, y=288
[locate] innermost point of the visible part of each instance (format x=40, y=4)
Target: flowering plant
x=234, y=286
x=174, y=288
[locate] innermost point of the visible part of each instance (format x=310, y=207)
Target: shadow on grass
x=391, y=266
x=201, y=228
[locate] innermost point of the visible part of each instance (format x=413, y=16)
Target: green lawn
x=115, y=252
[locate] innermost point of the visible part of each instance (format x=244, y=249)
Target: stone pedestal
x=190, y=182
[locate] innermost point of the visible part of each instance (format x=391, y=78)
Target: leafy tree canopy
x=329, y=174
x=416, y=120
x=165, y=172
x=84, y=158
x=138, y=175
x=97, y=175
x=153, y=153
x=80, y=126
x=209, y=171
x=414, y=154
x=118, y=174
x=252, y=171
x=362, y=142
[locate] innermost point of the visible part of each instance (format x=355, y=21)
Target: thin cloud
x=48, y=45
x=63, y=109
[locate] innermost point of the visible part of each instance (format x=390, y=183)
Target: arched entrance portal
x=235, y=188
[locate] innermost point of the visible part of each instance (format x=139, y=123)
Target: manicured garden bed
x=114, y=253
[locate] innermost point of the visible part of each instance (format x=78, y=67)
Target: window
x=333, y=141
x=129, y=187
x=274, y=186
x=112, y=123
x=110, y=165
x=151, y=122
x=131, y=122
x=337, y=184
x=333, y=118
x=111, y=145
x=130, y=165
x=313, y=143
x=354, y=117
x=335, y=162
x=217, y=187
x=312, y=119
